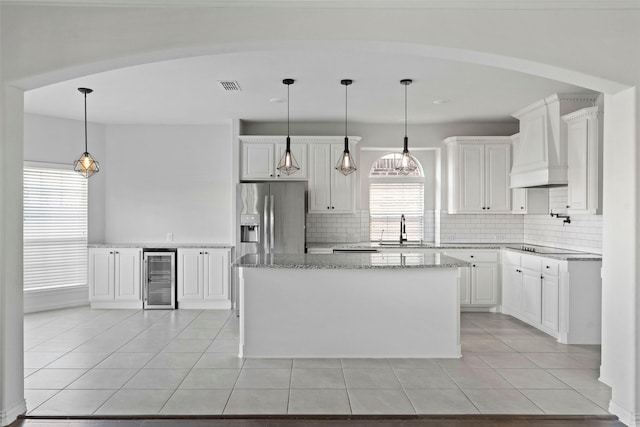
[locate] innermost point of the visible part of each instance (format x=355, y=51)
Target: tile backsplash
x=480, y=228
x=584, y=233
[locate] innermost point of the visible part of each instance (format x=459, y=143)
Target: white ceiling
x=186, y=91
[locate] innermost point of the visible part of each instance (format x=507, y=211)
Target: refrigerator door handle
x=272, y=225
x=145, y=285
x=265, y=224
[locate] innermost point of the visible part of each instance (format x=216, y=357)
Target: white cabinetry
x=561, y=298
x=203, y=278
x=478, y=174
x=584, y=161
x=115, y=277
x=530, y=201
x=329, y=190
x=541, y=158
x=478, y=282
x=260, y=157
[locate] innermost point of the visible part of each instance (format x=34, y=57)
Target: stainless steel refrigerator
x=271, y=219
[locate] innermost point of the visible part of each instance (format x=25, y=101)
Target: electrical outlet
x=169, y=237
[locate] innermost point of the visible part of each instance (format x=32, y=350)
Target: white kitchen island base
x=373, y=313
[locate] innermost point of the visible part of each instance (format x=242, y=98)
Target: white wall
x=168, y=179
x=55, y=140
x=597, y=50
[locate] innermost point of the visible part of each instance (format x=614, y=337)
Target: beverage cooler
x=159, y=282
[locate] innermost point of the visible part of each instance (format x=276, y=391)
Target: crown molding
x=342, y=4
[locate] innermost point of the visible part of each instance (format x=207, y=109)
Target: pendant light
x=407, y=163
x=345, y=164
x=288, y=164
x=86, y=165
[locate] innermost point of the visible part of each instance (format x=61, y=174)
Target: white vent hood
x=540, y=158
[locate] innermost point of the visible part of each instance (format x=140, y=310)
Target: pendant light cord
x=346, y=106
x=85, y=123
x=288, y=110
x=405, y=110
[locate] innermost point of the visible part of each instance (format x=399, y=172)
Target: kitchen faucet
x=403, y=229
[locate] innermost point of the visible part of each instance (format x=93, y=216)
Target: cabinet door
x=465, y=285
x=216, y=274
x=577, y=160
x=257, y=161
x=299, y=152
x=190, y=274
x=519, y=201
x=497, y=167
x=512, y=290
x=127, y=274
x=531, y=296
x=101, y=274
x=342, y=187
x=320, y=178
x=471, y=176
x=550, y=302
x=484, y=283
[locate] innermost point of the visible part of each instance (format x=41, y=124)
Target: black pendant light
x=86, y=165
x=288, y=164
x=345, y=164
x=407, y=163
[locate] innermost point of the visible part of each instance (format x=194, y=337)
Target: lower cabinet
x=115, y=277
x=203, y=278
x=531, y=296
x=478, y=282
x=561, y=298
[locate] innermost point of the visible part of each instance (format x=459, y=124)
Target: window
x=392, y=195
x=55, y=227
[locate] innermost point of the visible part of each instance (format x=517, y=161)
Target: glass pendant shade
x=288, y=164
x=345, y=164
x=406, y=164
x=86, y=165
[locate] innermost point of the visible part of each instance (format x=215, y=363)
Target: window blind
x=388, y=201
x=55, y=228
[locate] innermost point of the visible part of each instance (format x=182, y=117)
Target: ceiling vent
x=229, y=85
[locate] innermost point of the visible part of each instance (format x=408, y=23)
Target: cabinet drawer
x=531, y=262
x=550, y=267
x=473, y=256
x=509, y=257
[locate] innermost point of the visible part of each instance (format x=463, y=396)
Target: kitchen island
x=386, y=305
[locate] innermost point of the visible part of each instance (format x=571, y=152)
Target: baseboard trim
x=7, y=416
x=625, y=416
x=54, y=299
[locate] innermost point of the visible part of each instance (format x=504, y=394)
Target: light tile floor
x=130, y=362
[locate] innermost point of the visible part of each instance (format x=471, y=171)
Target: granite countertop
x=559, y=253
x=160, y=245
x=350, y=261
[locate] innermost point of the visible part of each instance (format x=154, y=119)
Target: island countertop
x=350, y=261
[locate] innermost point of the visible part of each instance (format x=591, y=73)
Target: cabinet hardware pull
x=474, y=265
x=521, y=207
x=568, y=206
x=548, y=266
x=471, y=256
x=488, y=207
x=332, y=207
x=484, y=207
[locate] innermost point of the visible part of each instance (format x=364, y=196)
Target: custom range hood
x=540, y=156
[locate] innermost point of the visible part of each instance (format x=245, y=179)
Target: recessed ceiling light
x=278, y=100
x=441, y=101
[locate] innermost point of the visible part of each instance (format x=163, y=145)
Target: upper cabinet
x=260, y=156
x=584, y=136
x=541, y=158
x=329, y=190
x=478, y=174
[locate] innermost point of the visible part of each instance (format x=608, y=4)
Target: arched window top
x=385, y=167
